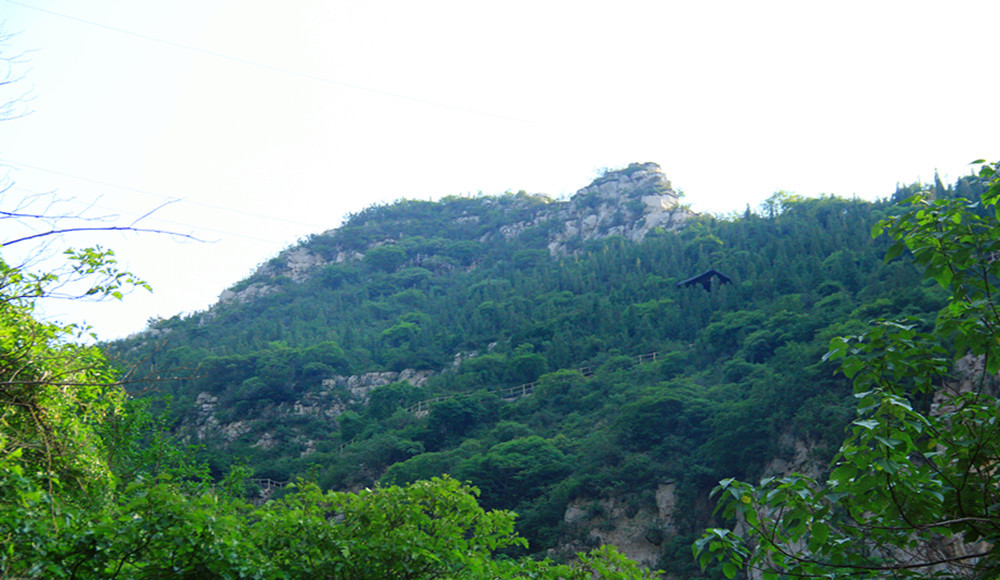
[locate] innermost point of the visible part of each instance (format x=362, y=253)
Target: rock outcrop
x=637, y=529
x=359, y=386
x=629, y=202
x=248, y=294
x=332, y=398
x=339, y=392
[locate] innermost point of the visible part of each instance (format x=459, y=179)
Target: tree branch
x=100, y=229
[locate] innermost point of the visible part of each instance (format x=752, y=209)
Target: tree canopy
x=913, y=490
x=454, y=326
x=92, y=486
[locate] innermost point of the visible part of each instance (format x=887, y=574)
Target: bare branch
x=14, y=71
x=152, y=211
x=100, y=229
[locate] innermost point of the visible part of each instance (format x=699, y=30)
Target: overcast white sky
x=270, y=121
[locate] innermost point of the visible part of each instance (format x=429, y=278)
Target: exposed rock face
x=232, y=431
x=640, y=527
x=248, y=294
x=628, y=202
x=324, y=403
x=796, y=456
x=971, y=376
x=266, y=441
x=205, y=414
x=333, y=398
x=299, y=261
x=360, y=386
x=341, y=391
x=636, y=531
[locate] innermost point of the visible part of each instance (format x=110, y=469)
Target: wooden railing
x=268, y=484
x=267, y=487
x=423, y=407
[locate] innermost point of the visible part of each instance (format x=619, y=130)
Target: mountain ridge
x=629, y=202
x=313, y=370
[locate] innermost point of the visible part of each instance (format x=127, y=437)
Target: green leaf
x=894, y=252
x=943, y=276
x=820, y=532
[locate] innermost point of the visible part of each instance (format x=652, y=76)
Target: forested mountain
x=545, y=351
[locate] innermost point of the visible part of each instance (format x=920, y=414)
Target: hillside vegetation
x=94, y=486
x=311, y=367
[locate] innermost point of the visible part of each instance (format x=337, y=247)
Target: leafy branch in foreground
x=914, y=490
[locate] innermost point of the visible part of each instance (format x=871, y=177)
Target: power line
x=117, y=212
x=290, y=72
x=154, y=194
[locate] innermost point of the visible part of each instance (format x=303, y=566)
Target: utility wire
x=118, y=212
x=248, y=62
x=159, y=195
x=290, y=72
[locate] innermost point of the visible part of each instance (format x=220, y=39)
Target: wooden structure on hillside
x=705, y=279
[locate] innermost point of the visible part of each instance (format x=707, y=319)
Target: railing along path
x=423, y=407
x=526, y=389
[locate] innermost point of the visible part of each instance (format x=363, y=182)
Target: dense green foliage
x=913, y=489
x=165, y=529
x=91, y=486
x=436, y=286
x=52, y=391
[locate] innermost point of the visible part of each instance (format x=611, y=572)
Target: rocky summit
x=629, y=202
